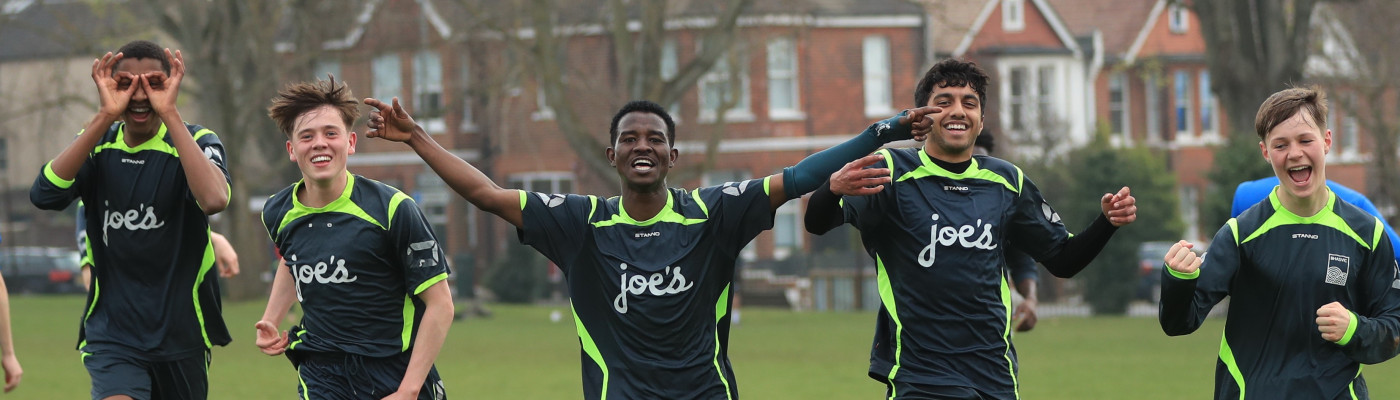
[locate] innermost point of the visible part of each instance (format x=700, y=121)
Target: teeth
x=957, y=126
x=640, y=163
x=320, y=158
x=140, y=109
x=1299, y=168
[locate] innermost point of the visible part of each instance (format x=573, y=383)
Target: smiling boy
x=359, y=257
x=938, y=231
x=151, y=180
x=1314, y=287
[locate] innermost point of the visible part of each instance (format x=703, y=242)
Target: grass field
x=520, y=354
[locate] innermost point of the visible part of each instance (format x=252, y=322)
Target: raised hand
x=114, y=89
x=268, y=340
x=855, y=179
x=1120, y=208
x=1332, y=321
x=389, y=122
x=162, y=90
x=1181, y=259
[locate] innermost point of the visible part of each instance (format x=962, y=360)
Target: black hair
x=646, y=107
x=952, y=72
x=139, y=49
x=986, y=141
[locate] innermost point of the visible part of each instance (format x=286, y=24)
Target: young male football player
x=1313, y=283
x=937, y=234
x=358, y=256
x=650, y=273
x=150, y=180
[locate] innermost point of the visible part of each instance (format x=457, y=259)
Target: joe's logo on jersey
x=306, y=273
x=656, y=284
x=950, y=235
x=140, y=219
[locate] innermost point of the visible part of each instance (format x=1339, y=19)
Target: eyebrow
x=313, y=128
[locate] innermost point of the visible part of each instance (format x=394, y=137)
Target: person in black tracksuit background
x=1314, y=288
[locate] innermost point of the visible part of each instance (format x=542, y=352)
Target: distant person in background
x=1251, y=192
x=1023, y=270
x=8, y=361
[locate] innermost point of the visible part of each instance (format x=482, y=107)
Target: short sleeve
x=1034, y=225
x=421, y=257
x=743, y=207
x=555, y=224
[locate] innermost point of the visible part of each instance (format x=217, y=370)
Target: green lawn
x=777, y=355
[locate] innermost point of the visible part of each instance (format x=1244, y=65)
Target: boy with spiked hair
x=359, y=257
x=1313, y=282
x=151, y=180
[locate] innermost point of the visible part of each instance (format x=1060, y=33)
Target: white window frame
x=876, y=73
x=792, y=230
x=525, y=181
x=1178, y=20
x=717, y=78
x=1152, y=102
x=1190, y=211
x=1046, y=88
x=1122, y=136
x=1208, y=114
x=787, y=47
x=670, y=66
x=427, y=81
x=1182, y=105
x=1018, y=104
x=387, y=76
x=1346, y=142
x=1013, y=15
x=433, y=198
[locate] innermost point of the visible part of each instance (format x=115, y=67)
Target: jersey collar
x=334, y=204
x=658, y=217
x=157, y=141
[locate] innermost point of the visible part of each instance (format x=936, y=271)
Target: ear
x=1327, y=141
x=675, y=155
x=290, y=154
x=612, y=156
x=353, y=136
x=1264, y=152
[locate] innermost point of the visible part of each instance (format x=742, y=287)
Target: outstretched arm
x=808, y=174
x=824, y=208
x=391, y=122
x=1118, y=209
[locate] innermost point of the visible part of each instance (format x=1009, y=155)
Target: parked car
x=1150, y=261
x=41, y=270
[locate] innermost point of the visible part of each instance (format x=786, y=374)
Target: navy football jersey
x=359, y=264
x=938, y=239
x=651, y=298
x=156, y=294
x=1278, y=268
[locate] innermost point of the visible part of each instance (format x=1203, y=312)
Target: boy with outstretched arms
x=650, y=273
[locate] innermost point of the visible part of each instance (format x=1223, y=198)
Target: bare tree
x=1370, y=65
x=1253, y=49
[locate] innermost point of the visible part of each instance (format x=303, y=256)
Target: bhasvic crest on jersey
x=214, y=155
x=551, y=200
x=1050, y=214
x=736, y=188
x=1338, y=266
